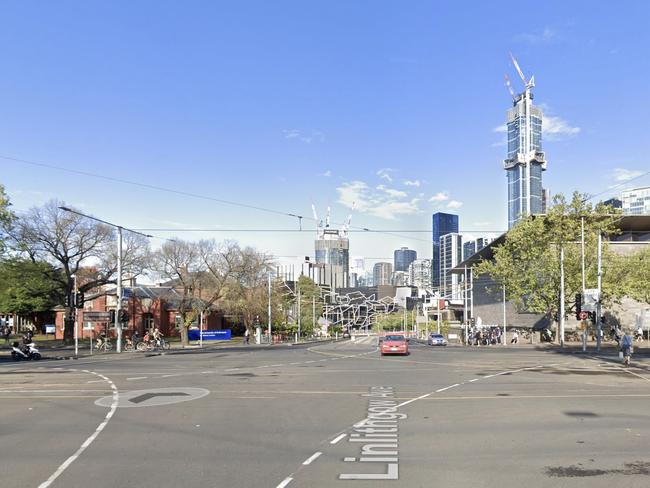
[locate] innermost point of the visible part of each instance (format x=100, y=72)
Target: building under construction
x=332, y=253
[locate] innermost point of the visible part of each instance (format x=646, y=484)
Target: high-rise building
x=400, y=278
x=451, y=252
x=636, y=201
x=614, y=203
x=382, y=274
x=403, y=257
x=472, y=247
x=526, y=161
x=441, y=224
x=332, y=255
x=420, y=273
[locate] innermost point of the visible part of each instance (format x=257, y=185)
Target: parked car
x=346, y=334
x=436, y=340
x=394, y=344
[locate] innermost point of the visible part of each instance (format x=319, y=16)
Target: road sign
x=210, y=335
x=584, y=315
x=590, y=299
x=97, y=316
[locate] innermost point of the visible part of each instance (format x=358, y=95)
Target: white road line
x=447, y=387
x=472, y=381
x=90, y=439
x=311, y=459
x=170, y=375
x=338, y=438
x=137, y=378
x=285, y=482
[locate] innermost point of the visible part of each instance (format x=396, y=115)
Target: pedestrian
x=6, y=333
x=247, y=336
x=515, y=337
x=626, y=349
x=639, y=334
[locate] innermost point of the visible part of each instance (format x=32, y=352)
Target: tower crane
x=528, y=84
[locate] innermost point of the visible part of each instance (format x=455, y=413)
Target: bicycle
x=105, y=345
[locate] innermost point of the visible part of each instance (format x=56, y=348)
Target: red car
x=394, y=344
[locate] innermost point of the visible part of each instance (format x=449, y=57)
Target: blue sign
x=50, y=329
x=210, y=335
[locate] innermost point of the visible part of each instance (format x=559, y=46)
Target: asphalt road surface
x=330, y=415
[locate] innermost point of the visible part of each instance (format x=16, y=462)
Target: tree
x=80, y=246
x=29, y=287
x=7, y=218
x=528, y=262
x=247, y=292
x=311, y=305
x=200, y=271
x=390, y=322
x=630, y=273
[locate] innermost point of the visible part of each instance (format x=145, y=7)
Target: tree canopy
x=29, y=287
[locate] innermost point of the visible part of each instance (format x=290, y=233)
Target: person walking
x=515, y=337
x=6, y=333
x=247, y=336
x=626, y=349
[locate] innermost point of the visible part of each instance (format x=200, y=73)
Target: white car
x=437, y=340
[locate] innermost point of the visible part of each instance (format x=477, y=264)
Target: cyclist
x=157, y=336
x=101, y=340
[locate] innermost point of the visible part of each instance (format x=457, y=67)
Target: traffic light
x=123, y=316
x=79, y=299
x=111, y=316
x=578, y=306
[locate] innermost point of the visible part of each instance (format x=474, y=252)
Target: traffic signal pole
x=599, y=324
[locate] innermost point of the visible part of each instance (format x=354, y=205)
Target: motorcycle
x=27, y=352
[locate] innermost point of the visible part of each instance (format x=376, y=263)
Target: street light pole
x=118, y=323
x=561, y=331
x=269, y=325
x=299, y=312
x=76, y=327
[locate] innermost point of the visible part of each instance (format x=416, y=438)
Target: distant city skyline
x=321, y=106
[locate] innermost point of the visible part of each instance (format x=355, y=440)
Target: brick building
x=147, y=306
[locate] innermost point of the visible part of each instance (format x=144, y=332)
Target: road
x=328, y=415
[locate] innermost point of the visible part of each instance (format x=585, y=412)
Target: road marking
x=137, y=378
x=170, y=375
x=92, y=437
x=338, y=438
x=447, y=387
x=311, y=459
x=285, y=482
x=472, y=381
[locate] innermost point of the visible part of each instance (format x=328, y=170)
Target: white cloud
x=544, y=36
x=454, y=204
x=381, y=201
x=384, y=174
x=500, y=129
x=415, y=183
x=556, y=128
x=304, y=136
x=622, y=174
x=392, y=192
x=326, y=174
x=439, y=197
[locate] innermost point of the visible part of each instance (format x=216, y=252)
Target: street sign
x=210, y=335
x=590, y=299
x=97, y=316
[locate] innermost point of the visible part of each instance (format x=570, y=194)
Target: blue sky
x=393, y=105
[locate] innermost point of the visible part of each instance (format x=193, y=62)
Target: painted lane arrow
x=148, y=396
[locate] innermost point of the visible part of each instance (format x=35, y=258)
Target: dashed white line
x=311, y=458
x=338, y=438
x=137, y=378
x=472, y=381
x=285, y=482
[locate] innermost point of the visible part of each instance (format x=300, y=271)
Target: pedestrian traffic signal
x=123, y=316
x=79, y=299
x=579, y=306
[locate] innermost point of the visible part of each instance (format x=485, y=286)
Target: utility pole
x=582, y=246
x=118, y=324
x=505, y=338
x=465, y=305
x=561, y=331
x=313, y=312
x=269, y=326
x=299, y=311
x=73, y=302
x=599, y=324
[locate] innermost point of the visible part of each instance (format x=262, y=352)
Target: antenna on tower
x=512, y=92
x=327, y=219
x=530, y=83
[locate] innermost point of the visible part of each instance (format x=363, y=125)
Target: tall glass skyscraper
x=441, y=224
x=403, y=257
x=525, y=162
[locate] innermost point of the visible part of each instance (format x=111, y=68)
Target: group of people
x=150, y=336
x=484, y=336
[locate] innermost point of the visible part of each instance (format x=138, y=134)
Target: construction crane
x=528, y=84
x=346, y=225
